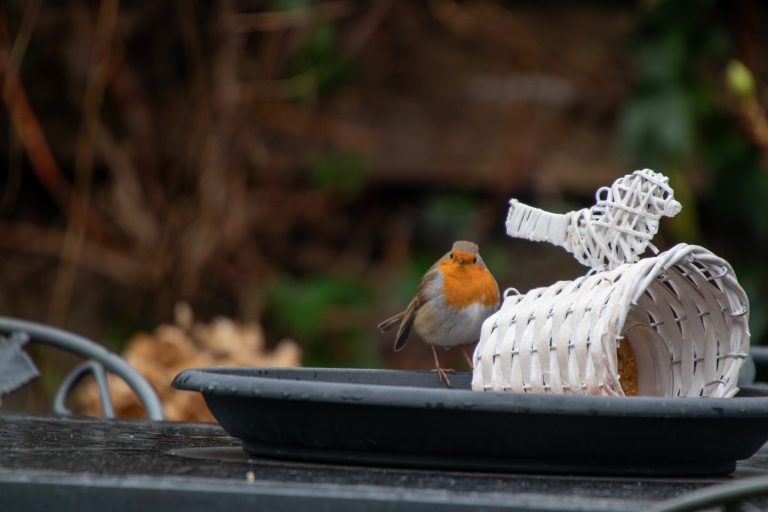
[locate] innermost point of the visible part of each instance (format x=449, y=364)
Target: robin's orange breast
x=464, y=285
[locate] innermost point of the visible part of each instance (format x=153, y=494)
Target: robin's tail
x=391, y=322
x=405, y=319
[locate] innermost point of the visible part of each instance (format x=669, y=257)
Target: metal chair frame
x=99, y=362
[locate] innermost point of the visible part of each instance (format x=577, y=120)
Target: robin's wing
x=423, y=295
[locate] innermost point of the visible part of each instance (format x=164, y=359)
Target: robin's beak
x=461, y=261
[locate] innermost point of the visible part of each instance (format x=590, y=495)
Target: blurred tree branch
x=107, y=262
x=22, y=116
x=99, y=66
x=277, y=21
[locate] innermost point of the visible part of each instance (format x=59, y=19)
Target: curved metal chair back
x=99, y=361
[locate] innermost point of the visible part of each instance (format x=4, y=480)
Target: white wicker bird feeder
x=682, y=312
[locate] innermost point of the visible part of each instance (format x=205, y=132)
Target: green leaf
x=740, y=80
x=322, y=312
x=344, y=172
x=450, y=216
x=658, y=127
x=290, y=5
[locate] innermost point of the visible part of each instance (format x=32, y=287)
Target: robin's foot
x=442, y=375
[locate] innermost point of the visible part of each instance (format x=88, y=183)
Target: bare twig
x=26, y=123
x=755, y=120
x=284, y=20
x=21, y=114
x=128, y=205
x=123, y=269
x=307, y=123
x=19, y=48
x=13, y=180
x=99, y=65
x=361, y=33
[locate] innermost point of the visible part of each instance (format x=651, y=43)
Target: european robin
x=452, y=300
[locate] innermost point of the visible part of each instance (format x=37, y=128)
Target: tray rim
x=305, y=390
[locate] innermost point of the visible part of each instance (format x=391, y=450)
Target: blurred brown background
x=297, y=165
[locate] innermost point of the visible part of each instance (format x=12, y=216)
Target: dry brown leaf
x=160, y=356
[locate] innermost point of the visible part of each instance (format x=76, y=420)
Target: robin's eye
x=451, y=255
x=474, y=260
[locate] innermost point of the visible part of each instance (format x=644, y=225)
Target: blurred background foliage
x=299, y=164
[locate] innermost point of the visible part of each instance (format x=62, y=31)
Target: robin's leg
x=469, y=359
x=442, y=373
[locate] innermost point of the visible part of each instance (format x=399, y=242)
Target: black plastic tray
x=406, y=419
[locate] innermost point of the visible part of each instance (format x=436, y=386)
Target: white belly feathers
x=436, y=325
